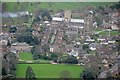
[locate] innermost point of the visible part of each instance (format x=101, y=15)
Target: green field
x=12, y=6
x=49, y=70
x=112, y=33
x=25, y=56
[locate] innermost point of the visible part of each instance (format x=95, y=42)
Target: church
x=74, y=25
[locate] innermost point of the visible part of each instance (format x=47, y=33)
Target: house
x=3, y=42
x=74, y=53
x=56, y=48
x=4, y=49
x=71, y=49
x=111, y=41
x=61, y=14
x=104, y=50
x=106, y=25
x=93, y=46
x=59, y=37
x=71, y=31
x=114, y=27
x=105, y=42
x=35, y=33
x=104, y=61
x=4, y=37
x=89, y=41
x=37, y=27
x=21, y=47
x=101, y=39
x=46, y=22
x=45, y=37
x=23, y=13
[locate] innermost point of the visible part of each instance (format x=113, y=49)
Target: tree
x=29, y=39
x=31, y=4
x=26, y=18
x=30, y=75
x=8, y=43
x=70, y=59
x=86, y=48
x=29, y=30
x=37, y=19
x=12, y=29
x=115, y=6
x=87, y=75
x=42, y=29
x=54, y=55
x=46, y=48
x=35, y=51
x=65, y=74
x=46, y=14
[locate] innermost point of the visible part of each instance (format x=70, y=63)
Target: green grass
x=112, y=33
x=49, y=70
x=25, y=56
x=12, y=6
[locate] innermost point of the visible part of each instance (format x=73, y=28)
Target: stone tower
x=89, y=24
x=67, y=15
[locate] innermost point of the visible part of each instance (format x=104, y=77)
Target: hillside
x=56, y=6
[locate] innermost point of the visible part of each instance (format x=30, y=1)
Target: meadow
x=45, y=70
x=55, y=6
x=25, y=56
x=49, y=70
x=111, y=33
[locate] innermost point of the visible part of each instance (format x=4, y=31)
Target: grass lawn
x=25, y=56
x=112, y=33
x=49, y=70
x=12, y=6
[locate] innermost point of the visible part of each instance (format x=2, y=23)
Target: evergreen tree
x=30, y=75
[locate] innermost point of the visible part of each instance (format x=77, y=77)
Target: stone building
x=21, y=47
x=88, y=24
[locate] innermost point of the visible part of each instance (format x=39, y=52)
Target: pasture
x=49, y=70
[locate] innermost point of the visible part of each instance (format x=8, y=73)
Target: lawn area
x=112, y=33
x=25, y=56
x=49, y=70
x=13, y=6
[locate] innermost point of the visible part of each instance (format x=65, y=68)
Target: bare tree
x=65, y=74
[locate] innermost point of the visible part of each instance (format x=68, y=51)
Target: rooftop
x=72, y=20
x=77, y=20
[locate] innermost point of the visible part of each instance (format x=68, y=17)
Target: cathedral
x=73, y=25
